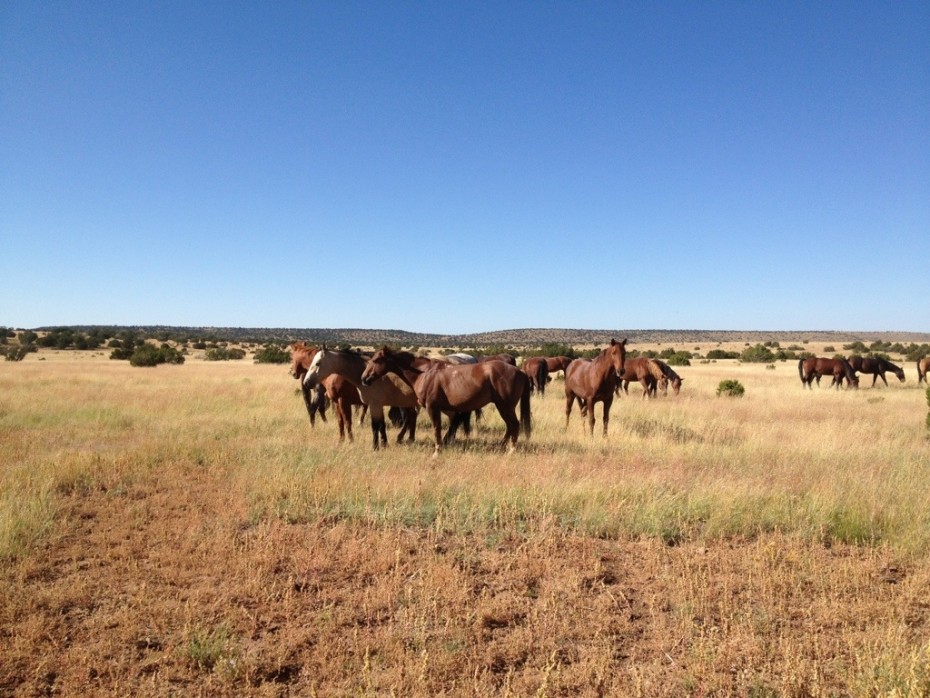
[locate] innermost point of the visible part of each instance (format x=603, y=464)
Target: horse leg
x=377, y=426
x=884, y=380
x=341, y=419
x=435, y=415
x=590, y=408
x=410, y=424
x=607, y=404
x=509, y=414
x=645, y=383
x=569, y=401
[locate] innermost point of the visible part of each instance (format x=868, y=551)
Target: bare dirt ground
x=169, y=590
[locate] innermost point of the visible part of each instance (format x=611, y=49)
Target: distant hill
x=515, y=337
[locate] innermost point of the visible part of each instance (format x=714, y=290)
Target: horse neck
x=347, y=366
x=603, y=364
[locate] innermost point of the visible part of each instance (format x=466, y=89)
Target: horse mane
x=654, y=369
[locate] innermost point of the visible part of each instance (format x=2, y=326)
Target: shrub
x=757, y=354
x=730, y=388
x=721, y=354
x=17, y=353
x=679, y=358
x=830, y=348
x=224, y=354
x=272, y=354
x=149, y=355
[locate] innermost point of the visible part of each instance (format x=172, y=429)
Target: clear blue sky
x=462, y=167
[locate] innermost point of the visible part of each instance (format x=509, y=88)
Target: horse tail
x=801, y=369
x=525, y=414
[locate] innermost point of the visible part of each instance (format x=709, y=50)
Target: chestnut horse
x=923, y=365
x=389, y=391
x=877, y=366
x=336, y=389
x=814, y=367
x=670, y=378
x=647, y=372
x=594, y=380
x=537, y=369
x=459, y=389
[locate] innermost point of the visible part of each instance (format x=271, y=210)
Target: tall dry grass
x=733, y=508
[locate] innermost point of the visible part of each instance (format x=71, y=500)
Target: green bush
x=17, y=353
x=758, y=354
x=721, y=354
x=150, y=355
x=224, y=354
x=272, y=354
x=730, y=388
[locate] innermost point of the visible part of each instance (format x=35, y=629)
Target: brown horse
x=314, y=399
x=671, y=378
x=647, y=372
x=460, y=389
x=506, y=358
x=557, y=363
x=814, y=367
x=877, y=366
x=537, y=370
x=923, y=366
x=389, y=391
x=594, y=380
x=334, y=389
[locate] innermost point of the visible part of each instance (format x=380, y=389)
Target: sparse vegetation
x=224, y=354
x=184, y=531
x=730, y=388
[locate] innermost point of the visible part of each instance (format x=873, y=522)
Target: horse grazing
x=463, y=388
x=647, y=372
x=594, y=380
x=537, y=370
x=557, y=363
x=923, y=366
x=390, y=391
x=506, y=358
x=814, y=367
x=670, y=378
x=877, y=366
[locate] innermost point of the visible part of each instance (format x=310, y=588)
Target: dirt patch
x=172, y=590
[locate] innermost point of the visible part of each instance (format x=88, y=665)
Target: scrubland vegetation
x=182, y=530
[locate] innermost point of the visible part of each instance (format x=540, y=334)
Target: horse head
x=380, y=364
x=616, y=352
x=301, y=356
x=315, y=373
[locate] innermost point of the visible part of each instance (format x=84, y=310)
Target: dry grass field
x=182, y=530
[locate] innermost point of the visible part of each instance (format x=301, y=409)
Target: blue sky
x=465, y=167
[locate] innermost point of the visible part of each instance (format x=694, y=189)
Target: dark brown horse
x=671, y=378
x=923, y=366
x=877, y=366
x=537, y=370
x=387, y=392
x=647, y=372
x=814, y=367
x=557, y=363
x=460, y=389
x=506, y=358
x=594, y=380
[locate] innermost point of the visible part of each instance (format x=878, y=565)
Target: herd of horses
x=395, y=385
